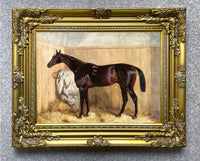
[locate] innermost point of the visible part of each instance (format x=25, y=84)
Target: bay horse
x=89, y=75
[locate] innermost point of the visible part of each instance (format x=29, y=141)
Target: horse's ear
x=59, y=51
x=56, y=51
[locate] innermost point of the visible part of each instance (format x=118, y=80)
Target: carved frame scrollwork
x=101, y=13
x=171, y=22
x=180, y=77
x=173, y=133
x=18, y=77
x=174, y=21
x=24, y=21
x=97, y=141
x=25, y=133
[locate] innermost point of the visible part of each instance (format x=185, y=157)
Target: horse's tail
x=142, y=80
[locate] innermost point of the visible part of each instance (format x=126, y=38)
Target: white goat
x=67, y=89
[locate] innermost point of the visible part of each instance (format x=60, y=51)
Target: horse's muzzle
x=48, y=65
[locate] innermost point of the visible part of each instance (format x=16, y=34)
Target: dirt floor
x=60, y=112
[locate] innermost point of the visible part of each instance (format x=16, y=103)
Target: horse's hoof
x=134, y=117
x=79, y=117
x=86, y=115
x=119, y=115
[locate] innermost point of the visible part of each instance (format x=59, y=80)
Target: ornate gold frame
x=171, y=132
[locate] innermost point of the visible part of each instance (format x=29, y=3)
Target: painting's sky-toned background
x=78, y=39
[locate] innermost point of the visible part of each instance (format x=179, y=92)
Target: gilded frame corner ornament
x=173, y=133
x=174, y=21
x=24, y=21
x=170, y=21
x=25, y=133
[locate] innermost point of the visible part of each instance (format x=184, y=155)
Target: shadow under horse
x=88, y=75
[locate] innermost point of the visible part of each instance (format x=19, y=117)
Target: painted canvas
x=98, y=77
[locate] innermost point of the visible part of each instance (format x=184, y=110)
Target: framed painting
x=99, y=77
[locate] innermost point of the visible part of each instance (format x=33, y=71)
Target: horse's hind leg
x=134, y=98
x=87, y=102
x=124, y=97
x=82, y=96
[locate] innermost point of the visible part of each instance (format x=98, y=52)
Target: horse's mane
x=73, y=59
x=72, y=62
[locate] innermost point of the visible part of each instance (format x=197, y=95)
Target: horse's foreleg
x=82, y=96
x=124, y=97
x=87, y=101
x=134, y=98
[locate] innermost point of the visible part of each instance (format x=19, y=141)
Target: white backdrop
x=191, y=152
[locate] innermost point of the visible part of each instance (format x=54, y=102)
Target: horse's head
x=56, y=59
